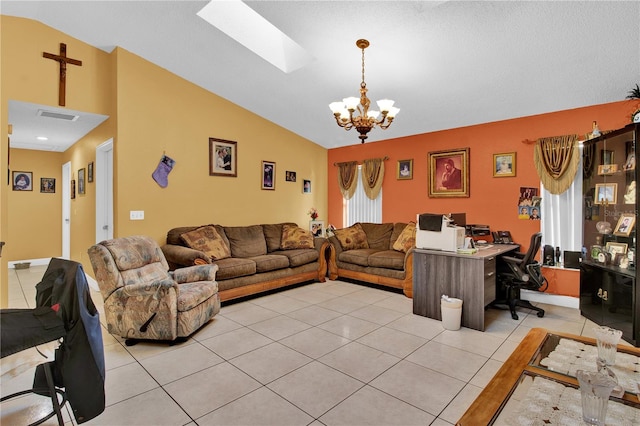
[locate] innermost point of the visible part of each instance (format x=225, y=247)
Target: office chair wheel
x=540, y=314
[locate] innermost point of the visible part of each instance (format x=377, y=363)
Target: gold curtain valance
x=372, y=176
x=556, y=159
x=347, y=181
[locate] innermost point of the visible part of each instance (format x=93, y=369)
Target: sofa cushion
x=407, y=239
x=397, y=230
x=352, y=238
x=294, y=237
x=273, y=235
x=389, y=259
x=246, y=241
x=299, y=257
x=270, y=262
x=192, y=294
x=207, y=240
x=378, y=234
x=232, y=267
x=357, y=256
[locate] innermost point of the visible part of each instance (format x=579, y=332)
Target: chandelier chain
x=363, y=84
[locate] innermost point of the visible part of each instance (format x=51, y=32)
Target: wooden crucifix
x=63, y=60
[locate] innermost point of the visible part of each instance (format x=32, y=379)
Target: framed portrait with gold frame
x=504, y=165
x=405, y=169
x=606, y=193
x=449, y=173
x=625, y=225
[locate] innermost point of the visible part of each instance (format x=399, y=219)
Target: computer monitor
x=459, y=219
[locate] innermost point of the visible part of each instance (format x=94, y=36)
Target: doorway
x=104, y=191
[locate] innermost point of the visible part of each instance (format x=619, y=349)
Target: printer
x=436, y=232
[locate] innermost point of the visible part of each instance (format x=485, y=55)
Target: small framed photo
x=317, y=228
x=504, y=165
x=48, y=185
x=606, y=157
x=625, y=225
x=306, y=186
x=630, y=164
x=607, y=169
x=22, y=181
x=73, y=189
x=269, y=175
x=90, y=172
x=223, y=157
x=405, y=169
x=615, y=248
x=290, y=176
x=606, y=193
x=81, y=173
x=449, y=173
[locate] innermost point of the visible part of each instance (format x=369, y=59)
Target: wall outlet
x=136, y=215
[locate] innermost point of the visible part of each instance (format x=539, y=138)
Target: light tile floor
x=333, y=353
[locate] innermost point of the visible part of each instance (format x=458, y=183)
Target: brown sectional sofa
x=378, y=263
x=257, y=263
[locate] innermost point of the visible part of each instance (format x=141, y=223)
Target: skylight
x=248, y=28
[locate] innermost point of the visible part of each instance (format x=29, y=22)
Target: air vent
x=58, y=115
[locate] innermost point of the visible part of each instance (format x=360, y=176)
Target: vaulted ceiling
x=446, y=64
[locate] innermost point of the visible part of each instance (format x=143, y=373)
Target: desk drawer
x=489, y=280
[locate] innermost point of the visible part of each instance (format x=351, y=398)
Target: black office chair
x=522, y=271
x=64, y=312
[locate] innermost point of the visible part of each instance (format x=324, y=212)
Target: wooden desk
x=471, y=278
x=487, y=407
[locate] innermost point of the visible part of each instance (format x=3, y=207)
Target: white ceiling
x=446, y=64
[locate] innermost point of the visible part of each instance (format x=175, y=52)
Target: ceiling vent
x=58, y=115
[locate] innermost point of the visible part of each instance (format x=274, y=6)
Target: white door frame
x=104, y=191
x=66, y=210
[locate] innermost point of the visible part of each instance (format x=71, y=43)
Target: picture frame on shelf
x=449, y=173
x=223, y=157
x=317, y=228
x=504, y=164
x=404, y=170
x=625, y=225
x=607, y=169
x=614, y=248
x=268, y=175
x=606, y=157
x=22, y=181
x=630, y=164
x=606, y=193
x=48, y=185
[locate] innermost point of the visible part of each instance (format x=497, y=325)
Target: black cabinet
x=608, y=273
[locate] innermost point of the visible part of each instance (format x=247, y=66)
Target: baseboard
x=34, y=262
x=550, y=299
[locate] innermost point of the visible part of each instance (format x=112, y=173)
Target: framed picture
x=625, y=225
x=22, y=181
x=504, y=165
x=606, y=193
x=223, y=157
x=48, y=185
x=630, y=164
x=607, y=169
x=615, y=248
x=405, y=169
x=90, y=172
x=606, y=157
x=290, y=176
x=73, y=189
x=268, y=175
x=317, y=228
x=81, y=181
x=449, y=173
x=306, y=186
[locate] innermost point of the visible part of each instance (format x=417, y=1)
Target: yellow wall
x=151, y=111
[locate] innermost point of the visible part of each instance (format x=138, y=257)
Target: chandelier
x=365, y=120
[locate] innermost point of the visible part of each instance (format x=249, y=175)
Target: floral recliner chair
x=142, y=299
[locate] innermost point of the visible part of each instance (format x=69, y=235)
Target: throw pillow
x=352, y=238
x=406, y=239
x=294, y=237
x=207, y=240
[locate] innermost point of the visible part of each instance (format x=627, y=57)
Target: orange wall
x=492, y=201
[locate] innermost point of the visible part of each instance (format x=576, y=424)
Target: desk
x=505, y=397
x=470, y=277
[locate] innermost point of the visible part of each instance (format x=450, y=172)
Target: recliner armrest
x=196, y=273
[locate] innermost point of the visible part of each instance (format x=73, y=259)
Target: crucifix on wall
x=63, y=61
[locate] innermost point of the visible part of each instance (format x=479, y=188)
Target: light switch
x=136, y=215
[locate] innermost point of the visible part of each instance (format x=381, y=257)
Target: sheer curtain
x=361, y=208
x=561, y=221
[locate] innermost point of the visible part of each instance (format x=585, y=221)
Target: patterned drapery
x=372, y=176
x=347, y=178
x=556, y=159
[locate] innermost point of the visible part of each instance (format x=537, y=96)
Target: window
x=561, y=222
x=360, y=208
